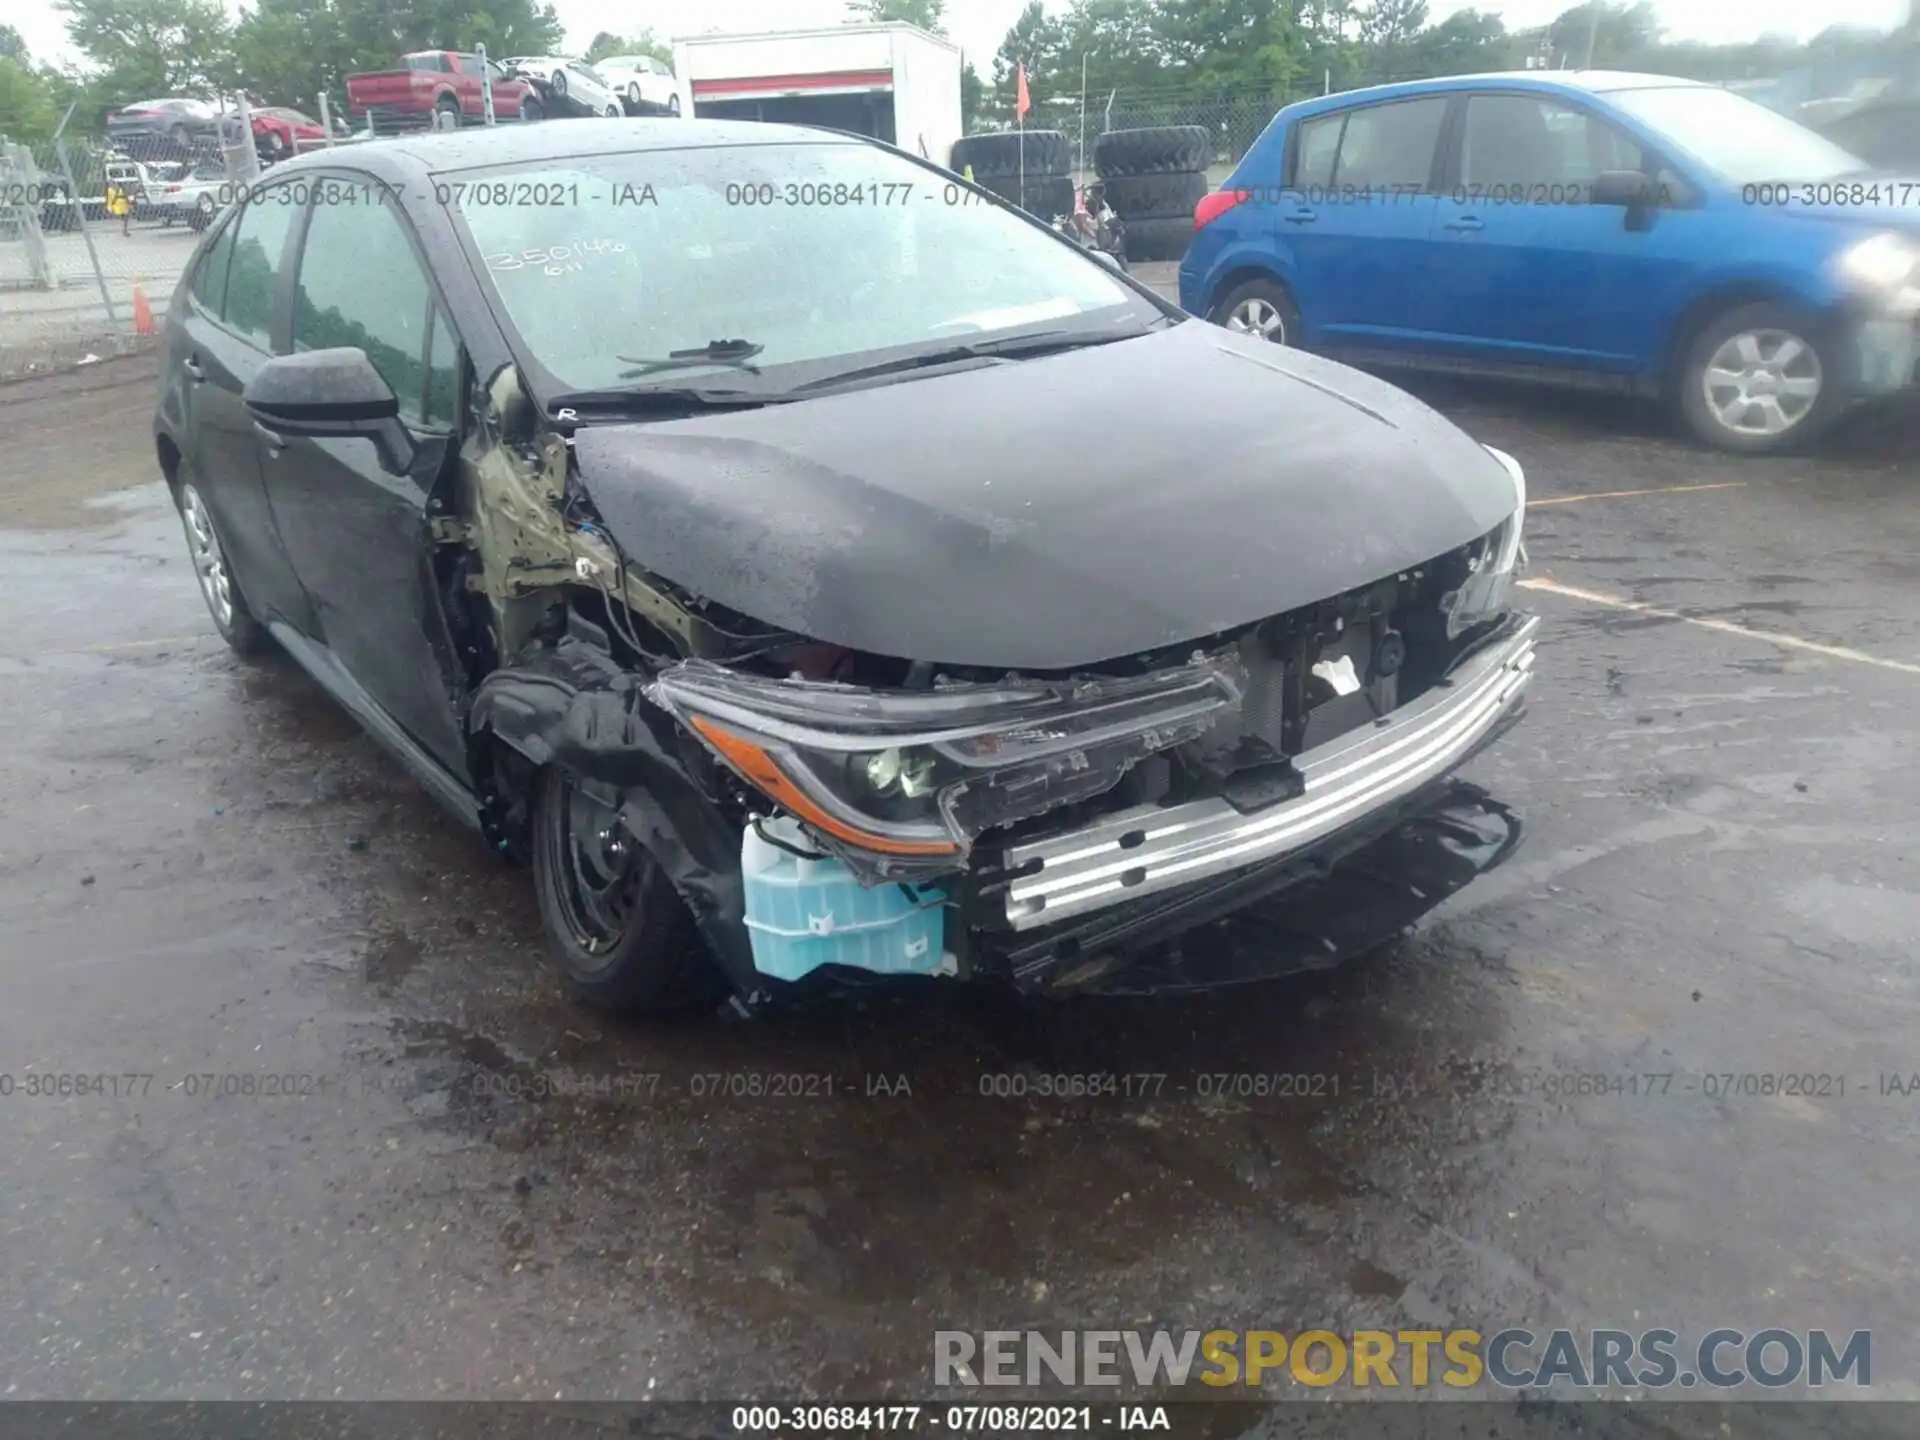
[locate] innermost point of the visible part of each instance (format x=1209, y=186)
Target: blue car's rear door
x=1531, y=273
x=1358, y=220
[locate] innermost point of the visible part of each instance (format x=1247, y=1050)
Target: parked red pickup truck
x=435, y=83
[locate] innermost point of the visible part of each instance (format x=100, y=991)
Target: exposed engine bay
x=834, y=799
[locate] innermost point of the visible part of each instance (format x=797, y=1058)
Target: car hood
x=1054, y=512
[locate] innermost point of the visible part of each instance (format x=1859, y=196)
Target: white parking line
x=1628, y=494
x=1725, y=627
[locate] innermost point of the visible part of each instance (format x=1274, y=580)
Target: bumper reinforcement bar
x=1148, y=849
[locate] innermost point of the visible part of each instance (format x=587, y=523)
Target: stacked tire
x=1030, y=169
x=1153, y=178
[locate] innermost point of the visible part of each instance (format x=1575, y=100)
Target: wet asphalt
x=212, y=888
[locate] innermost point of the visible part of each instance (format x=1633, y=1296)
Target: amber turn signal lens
x=752, y=761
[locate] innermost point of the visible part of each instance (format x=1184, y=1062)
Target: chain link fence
x=1234, y=119
x=94, y=235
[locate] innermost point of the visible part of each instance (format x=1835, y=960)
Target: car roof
x=513, y=143
x=1592, y=82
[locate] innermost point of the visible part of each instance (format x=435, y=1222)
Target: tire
x=1157, y=197
x=1044, y=198
x=1153, y=150
x=673, y=105
x=446, y=113
x=1262, y=308
x=530, y=110
x=211, y=568
x=998, y=155
x=1787, y=360
x=624, y=937
x=633, y=93
x=613, y=112
x=558, y=84
x=1165, y=238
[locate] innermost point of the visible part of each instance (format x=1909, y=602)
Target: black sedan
x=816, y=568
x=168, y=129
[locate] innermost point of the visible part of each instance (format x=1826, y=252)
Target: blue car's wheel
x=1260, y=308
x=1761, y=378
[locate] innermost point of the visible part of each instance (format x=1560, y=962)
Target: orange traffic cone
x=142, y=312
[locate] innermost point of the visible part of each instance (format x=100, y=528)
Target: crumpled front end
x=1053, y=819
x=821, y=808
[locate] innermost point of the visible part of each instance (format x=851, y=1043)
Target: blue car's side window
x=1390, y=147
x=1318, y=147
x=1526, y=148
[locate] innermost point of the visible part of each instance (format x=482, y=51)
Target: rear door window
x=1390, y=147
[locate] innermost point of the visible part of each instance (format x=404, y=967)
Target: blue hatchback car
x=1630, y=232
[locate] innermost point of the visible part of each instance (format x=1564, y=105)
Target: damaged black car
x=816, y=568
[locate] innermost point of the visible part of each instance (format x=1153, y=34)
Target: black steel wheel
x=624, y=937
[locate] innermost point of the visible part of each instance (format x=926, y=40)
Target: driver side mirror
x=1631, y=190
x=331, y=394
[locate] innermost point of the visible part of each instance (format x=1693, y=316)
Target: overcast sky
x=979, y=25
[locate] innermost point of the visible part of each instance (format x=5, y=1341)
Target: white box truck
x=893, y=81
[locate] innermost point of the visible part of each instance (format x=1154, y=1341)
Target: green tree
x=145, y=48
x=1038, y=41
x=1248, y=45
x=607, y=43
x=27, y=114
x=1465, y=42
x=12, y=47
x=927, y=14
x=973, y=96
x=1622, y=36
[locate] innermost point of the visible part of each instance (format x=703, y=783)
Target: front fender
x=572, y=705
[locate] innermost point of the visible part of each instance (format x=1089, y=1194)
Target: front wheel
x=614, y=112
x=244, y=634
x=1761, y=378
x=530, y=110
x=633, y=93
x=673, y=105
x=624, y=937
x=1259, y=308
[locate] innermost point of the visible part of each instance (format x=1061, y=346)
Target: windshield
x=820, y=254
x=1743, y=143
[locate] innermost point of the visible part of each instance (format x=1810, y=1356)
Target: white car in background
x=572, y=86
x=645, y=83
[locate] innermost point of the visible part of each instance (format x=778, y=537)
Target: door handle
x=1467, y=223
x=1302, y=216
x=275, y=441
x=192, y=366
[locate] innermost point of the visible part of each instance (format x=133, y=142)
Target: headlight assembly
x=1885, y=262
x=1487, y=592
x=909, y=779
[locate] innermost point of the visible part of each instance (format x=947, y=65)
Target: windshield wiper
x=573, y=406
x=1012, y=347
x=735, y=354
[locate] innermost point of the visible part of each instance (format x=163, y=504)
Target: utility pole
x=1593, y=31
